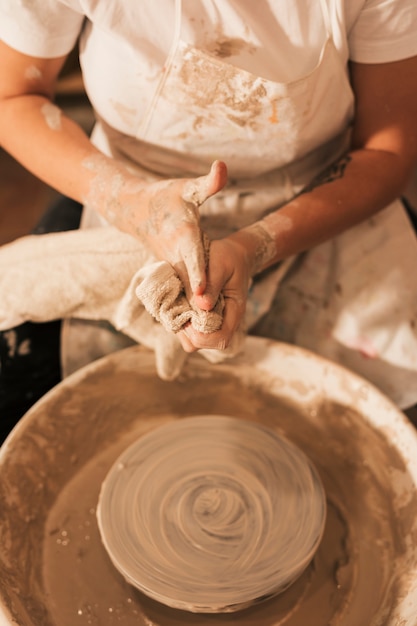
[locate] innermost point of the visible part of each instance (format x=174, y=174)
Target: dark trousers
x=30, y=353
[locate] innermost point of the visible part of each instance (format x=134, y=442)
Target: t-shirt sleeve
x=40, y=28
x=384, y=31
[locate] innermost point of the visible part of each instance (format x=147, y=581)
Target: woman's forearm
x=46, y=142
x=163, y=214
x=56, y=150
x=375, y=172
x=357, y=186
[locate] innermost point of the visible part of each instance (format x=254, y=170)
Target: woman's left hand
x=229, y=274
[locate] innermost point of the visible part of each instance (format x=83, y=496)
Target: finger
x=216, y=279
x=198, y=190
x=191, y=266
x=219, y=340
x=207, y=299
x=186, y=343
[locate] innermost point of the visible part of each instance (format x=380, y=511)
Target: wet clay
x=52, y=116
x=209, y=514
x=54, y=568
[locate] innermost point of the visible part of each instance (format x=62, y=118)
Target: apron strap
x=176, y=38
x=326, y=17
x=177, y=27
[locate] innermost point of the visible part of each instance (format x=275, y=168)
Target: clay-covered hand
x=164, y=214
x=229, y=273
x=172, y=226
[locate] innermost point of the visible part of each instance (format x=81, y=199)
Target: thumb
x=198, y=190
x=207, y=300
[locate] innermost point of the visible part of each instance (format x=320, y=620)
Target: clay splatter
x=52, y=116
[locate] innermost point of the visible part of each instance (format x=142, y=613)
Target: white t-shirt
x=125, y=44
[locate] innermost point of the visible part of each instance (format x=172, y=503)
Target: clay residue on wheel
x=54, y=569
x=210, y=513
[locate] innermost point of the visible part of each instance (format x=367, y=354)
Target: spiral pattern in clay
x=211, y=513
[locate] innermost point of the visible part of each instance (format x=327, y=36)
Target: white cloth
x=102, y=274
x=161, y=292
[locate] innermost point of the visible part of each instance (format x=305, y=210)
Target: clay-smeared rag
x=162, y=293
x=102, y=274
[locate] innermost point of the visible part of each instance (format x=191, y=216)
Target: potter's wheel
x=211, y=513
x=54, y=569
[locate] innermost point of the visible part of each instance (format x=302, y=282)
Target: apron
x=275, y=138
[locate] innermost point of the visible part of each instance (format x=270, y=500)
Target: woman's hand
x=164, y=214
x=229, y=273
x=171, y=228
x=53, y=147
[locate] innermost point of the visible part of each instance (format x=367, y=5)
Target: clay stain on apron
x=227, y=47
x=274, y=115
x=224, y=87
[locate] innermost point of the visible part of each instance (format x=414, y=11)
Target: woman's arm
x=368, y=178
x=36, y=132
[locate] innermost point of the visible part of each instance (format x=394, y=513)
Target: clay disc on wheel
x=211, y=513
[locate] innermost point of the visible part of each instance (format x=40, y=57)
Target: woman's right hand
x=171, y=227
x=163, y=214
x=52, y=146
